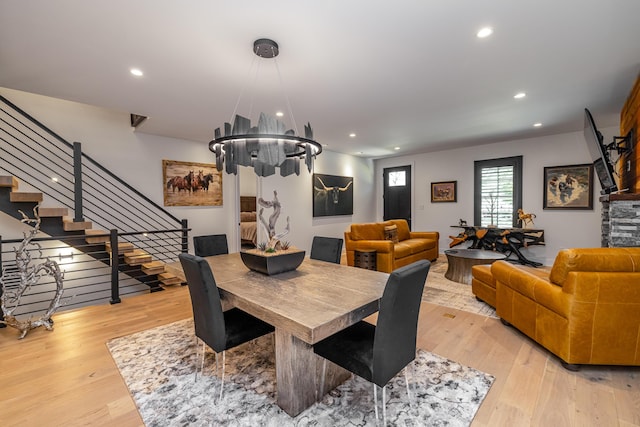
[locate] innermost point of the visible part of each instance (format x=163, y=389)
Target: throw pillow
x=391, y=233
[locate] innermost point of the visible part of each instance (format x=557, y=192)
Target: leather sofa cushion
x=592, y=259
x=482, y=272
x=368, y=231
x=401, y=250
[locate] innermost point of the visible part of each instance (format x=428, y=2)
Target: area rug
x=442, y=291
x=158, y=366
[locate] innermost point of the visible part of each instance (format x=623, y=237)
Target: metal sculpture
x=270, y=227
x=28, y=276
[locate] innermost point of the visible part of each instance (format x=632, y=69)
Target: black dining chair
x=378, y=353
x=217, y=329
x=212, y=244
x=326, y=249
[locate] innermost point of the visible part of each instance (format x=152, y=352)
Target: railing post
x=2, y=325
x=115, y=264
x=185, y=236
x=77, y=178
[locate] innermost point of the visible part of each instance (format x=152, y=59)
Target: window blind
x=497, y=196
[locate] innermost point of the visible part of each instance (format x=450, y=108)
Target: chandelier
x=267, y=145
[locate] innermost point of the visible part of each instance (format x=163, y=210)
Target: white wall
x=563, y=228
x=296, y=196
x=136, y=157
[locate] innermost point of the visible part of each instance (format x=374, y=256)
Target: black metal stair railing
x=41, y=159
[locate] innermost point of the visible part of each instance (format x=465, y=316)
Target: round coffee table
x=461, y=260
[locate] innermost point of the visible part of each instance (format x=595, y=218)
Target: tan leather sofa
x=411, y=247
x=585, y=310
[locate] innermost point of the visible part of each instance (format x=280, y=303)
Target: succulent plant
x=270, y=250
x=284, y=244
x=262, y=246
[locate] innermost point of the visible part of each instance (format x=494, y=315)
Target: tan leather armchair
x=586, y=311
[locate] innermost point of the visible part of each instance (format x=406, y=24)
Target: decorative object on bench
x=505, y=240
x=28, y=275
x=525, y=219
x=412, y=245
x=585, y=310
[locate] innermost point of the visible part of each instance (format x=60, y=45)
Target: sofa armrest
x=434, y=235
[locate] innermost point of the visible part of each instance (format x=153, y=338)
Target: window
x=397, y=179
x=497, y=191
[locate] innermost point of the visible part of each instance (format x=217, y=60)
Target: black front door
x=397, y=193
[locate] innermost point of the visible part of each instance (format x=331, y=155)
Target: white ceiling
x=407, y=73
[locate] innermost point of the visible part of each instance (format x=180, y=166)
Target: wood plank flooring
x=67, y=377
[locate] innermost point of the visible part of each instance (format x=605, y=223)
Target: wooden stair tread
x=9, y=181
x=98, y=239
x=70, y=225
x=17, y=196
x=153, y=267
x=169, y=279
x=137, y=257
x=52, y=212
x=123, y=247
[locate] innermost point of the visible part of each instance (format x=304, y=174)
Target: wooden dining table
x=305, y=306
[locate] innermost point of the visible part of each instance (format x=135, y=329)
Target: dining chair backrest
x=326, y=249
x=205, y=301
x=212, y=244
x=396, y=328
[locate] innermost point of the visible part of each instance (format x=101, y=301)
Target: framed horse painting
x=191, y=184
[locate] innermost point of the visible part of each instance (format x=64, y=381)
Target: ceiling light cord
x=244, y=87
x=286, y=98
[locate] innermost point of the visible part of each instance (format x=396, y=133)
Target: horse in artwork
x=196, y=181
x=180, y=182
x=206, y=180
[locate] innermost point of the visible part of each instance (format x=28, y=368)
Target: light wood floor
x=67, y=377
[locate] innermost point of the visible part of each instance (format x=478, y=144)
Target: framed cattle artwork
x=332, y=195
x=191, y=184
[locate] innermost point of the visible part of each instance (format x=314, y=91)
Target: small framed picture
x=445, y=191
x=568, y=187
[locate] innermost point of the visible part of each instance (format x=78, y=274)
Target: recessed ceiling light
x=54, y=179
x=136, y=72
x=537, y=125
x=396, y=148
x=279, y=114
x=352, y=135
x=519, y=95
x=485, y=32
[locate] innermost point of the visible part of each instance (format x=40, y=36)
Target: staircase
x=55, y=221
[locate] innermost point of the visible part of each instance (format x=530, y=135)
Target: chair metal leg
x=384, y=406
x=406, y=380
x=375, y=399
x=224, y=353
x=324, y=372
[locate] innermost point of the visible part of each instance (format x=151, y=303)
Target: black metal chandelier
x=267, y=145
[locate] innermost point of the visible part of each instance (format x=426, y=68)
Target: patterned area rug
x=158, y=367
x=442, y=291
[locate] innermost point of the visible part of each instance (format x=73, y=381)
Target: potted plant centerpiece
x=275, y=256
